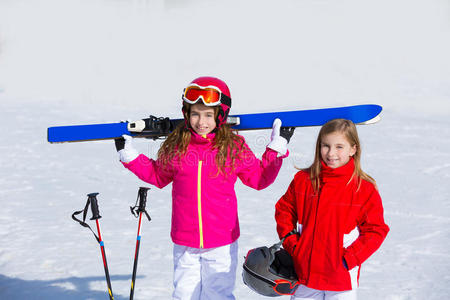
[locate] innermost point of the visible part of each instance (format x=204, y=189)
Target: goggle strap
x=225, y=99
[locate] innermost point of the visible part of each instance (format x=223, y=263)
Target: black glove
x=166, y=125
x=120, y=143
x=344, y=263
x=287, y=132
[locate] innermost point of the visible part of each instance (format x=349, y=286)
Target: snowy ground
x=102, y=61
x=45, y=255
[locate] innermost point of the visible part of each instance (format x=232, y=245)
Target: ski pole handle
x=142, y=194
x=94, y=206
x=141, y=202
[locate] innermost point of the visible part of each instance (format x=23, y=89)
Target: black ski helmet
x=270, y=271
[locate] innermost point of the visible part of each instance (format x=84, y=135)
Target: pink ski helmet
x=212, y=92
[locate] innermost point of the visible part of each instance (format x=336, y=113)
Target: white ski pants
x=306, y=293
x=204, y=274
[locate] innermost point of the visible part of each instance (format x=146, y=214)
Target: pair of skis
x=138, y=210
x=154, y=127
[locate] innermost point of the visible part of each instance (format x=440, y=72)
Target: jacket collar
x=344, y=172
x=200, y=139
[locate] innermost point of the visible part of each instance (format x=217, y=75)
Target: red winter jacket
x=325, y=217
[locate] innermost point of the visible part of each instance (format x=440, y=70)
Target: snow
x=81, y=62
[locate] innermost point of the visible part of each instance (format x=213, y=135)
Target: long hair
x=226, y=141
x=348, y=129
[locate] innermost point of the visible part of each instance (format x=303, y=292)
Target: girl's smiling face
x=202, y=119
x=335, y=150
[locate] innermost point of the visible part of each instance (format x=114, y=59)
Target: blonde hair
x=348, y=129
x=226, y=141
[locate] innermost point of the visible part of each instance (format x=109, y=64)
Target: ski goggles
x=285, y=287
x=210, y=95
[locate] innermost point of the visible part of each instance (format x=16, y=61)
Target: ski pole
x=138, y=210
x=92, y=201
x=96, y=216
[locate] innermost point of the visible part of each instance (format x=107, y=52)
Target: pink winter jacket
x=204, y=204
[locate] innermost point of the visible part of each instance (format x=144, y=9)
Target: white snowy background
x=93, y=61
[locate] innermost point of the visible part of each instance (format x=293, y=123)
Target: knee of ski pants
x=205, y=273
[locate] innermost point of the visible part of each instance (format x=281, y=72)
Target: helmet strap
x=275, y=247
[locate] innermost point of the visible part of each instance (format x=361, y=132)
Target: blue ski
x=158, y=127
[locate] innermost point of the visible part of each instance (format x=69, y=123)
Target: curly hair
x=229, y=145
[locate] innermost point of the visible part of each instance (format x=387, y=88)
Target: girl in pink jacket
x=203, y=158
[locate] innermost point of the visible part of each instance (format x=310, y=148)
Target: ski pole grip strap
x=82, y=222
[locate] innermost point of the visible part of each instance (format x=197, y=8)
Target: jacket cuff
x=130, y=163
x=278, y=155
x=290, y=242
x=351, y=260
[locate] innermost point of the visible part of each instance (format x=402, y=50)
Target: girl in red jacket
x=339, y=215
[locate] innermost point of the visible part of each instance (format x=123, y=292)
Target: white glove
x=277, y=142
x=128, y=153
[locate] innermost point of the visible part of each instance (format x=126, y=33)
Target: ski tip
x=371, y=121
x=379, y=107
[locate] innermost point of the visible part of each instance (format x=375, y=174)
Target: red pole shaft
x=105, y=263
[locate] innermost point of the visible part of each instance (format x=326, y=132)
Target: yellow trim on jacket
x=199, y=201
